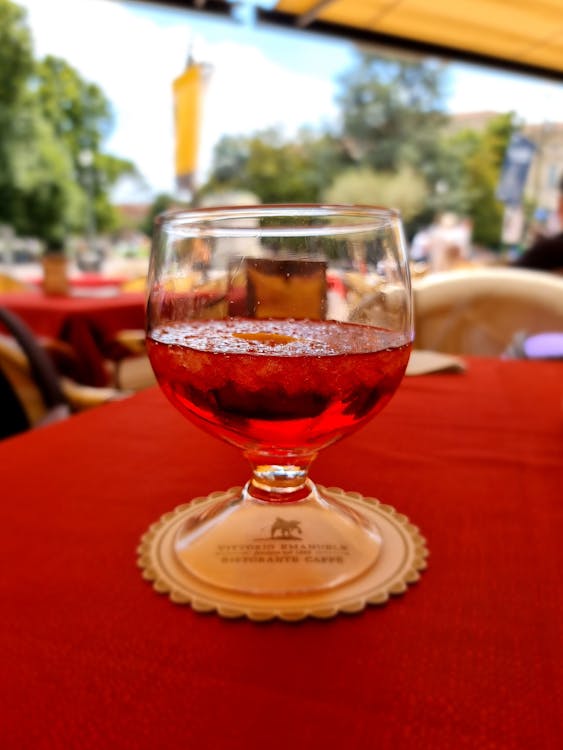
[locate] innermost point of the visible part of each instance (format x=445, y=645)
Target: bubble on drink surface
x=269, y=338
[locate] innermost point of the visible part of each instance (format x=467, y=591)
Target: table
x=88, y=324
x=469, y=657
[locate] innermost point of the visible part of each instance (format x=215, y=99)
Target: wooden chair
x=137, y=284
x=10, y=284
x=32, y=392
x=132, y=369
x=480, y=311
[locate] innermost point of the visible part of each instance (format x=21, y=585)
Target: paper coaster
x=401, y=559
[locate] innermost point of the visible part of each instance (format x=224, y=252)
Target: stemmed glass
x=279, y=329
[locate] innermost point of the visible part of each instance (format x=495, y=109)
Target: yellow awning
x=521, y=34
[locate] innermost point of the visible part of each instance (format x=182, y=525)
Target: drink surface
x=287, y=384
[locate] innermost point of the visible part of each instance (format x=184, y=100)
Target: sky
x=261, y=77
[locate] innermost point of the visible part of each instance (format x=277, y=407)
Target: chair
x=127, y=351
x=136, y=284
x=132, y=369
x=481, y=311
x=32, y=392
x=10, y=284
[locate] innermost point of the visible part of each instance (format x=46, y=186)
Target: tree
x=36, y=177
x=480, y=157
x=16, y=56
x=392, y=111
x=391, y=147
x=275, y=169
x=39, y=195
x=48, y=116
x=81, y=118
x=391, y=114
x=77, y=110
x=392, y=118
x=404, y=189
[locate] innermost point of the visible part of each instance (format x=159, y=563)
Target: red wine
x=288, y=384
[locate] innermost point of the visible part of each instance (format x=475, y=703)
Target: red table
x=88, y=324
x=469, y=657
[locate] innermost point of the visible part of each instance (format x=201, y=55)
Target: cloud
x=475, y=89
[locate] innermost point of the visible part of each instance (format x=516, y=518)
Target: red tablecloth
x=469, y=657
x=88, y=324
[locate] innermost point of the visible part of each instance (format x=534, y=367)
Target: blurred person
x=420, y=245
x=554, y=223
x=450, y=243
x=546, y=251
x=545, y=254
x=538, y=226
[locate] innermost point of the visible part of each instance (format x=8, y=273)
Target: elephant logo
x=285, y=529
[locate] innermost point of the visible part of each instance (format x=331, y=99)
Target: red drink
x=278, y=383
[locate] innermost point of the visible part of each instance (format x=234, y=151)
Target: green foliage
x=16, y=55
x=405, y=189
x=40, y=197
x=49, y=116
x=392, y=111
x=77, y=110
x=479, y=158
x=81, y=118
x=391, y=148
x=37, y=189
x=391, y=117
x=276, y=170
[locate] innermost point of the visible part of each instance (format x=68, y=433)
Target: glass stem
x=279, y=479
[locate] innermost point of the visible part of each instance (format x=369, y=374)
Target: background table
x=88, y=324
x=469, y=657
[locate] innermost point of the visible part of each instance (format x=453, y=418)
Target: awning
x=524, y=35
x=520, y=35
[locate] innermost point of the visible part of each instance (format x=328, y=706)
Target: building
x=546, y=169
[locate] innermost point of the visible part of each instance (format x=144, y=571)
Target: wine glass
x=279, y=329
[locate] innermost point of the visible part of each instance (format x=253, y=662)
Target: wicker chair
x=481, y=311
x=10, y=284
x=32, y=392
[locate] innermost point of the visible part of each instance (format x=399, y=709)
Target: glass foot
x=242, y=544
